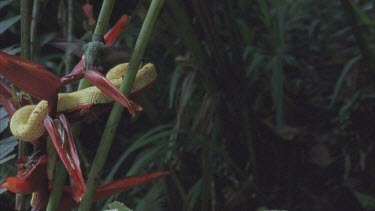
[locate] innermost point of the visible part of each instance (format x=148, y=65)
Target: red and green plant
x=36, y=80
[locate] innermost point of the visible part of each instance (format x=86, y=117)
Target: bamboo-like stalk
x=115, y=115
x=69, y=38
x=103, y=20
x=25, y=9
x=61, y=173
x=58, y=187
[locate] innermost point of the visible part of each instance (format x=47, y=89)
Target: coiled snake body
x=27, y=123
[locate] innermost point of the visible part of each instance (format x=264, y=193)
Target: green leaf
x=313, y=27
x=367, y=201
x=4, y=25
x=246, y=33
x=117, y=206
x=13, y=50
x=341, y=78
x=8, y=158
x=151, y=137
x=154, y=199
x=194, y=194
x=147, y=157
x=173, y=85
x=7, y=146
x=362, y=15
x=5, y=3
x=4, y=120
x=258, y=58
x=265, y=12
x=277, y=84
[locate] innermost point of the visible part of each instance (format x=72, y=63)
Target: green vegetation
x=258, y=104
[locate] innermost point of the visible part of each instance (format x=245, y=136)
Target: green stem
x=103, y=20
x=115, y=115
x=58, y=187
x=25, y=9
x=69, y=37
x=61, y=173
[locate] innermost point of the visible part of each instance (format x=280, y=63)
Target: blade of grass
x=4, y=25
x=362, y=15
x=5, y=3
x=341, y=78
x=358, y=33
x=149, y=138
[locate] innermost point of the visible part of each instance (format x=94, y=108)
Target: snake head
x=93, y=51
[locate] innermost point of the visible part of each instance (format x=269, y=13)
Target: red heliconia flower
x=118, y=186
x=34, y=78
x=5, y=96
x=32, y=179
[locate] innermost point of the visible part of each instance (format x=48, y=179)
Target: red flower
x=32, y=179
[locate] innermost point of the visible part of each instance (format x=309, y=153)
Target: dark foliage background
x=258, y=105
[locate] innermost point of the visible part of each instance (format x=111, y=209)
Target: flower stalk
x=61, y=173
x=115, y=115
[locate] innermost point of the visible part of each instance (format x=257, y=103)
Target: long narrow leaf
x=173, y=86
x=258, y=59
x=4, y=25
x=341, y=78
x=361, y=14
x=118, y=206
x=278, y=90
x=194, y=194
x=4, y=119
x=141, y=142
x=7, y=145
x=5, y=3
x=147, y=157
x=8, y=158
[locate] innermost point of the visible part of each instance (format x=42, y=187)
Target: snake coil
x=27, y=123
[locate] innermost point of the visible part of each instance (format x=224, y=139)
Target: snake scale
x=27, y=123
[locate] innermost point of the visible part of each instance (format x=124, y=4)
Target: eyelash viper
x=27, y=122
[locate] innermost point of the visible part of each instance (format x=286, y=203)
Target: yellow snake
x=27, y=123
